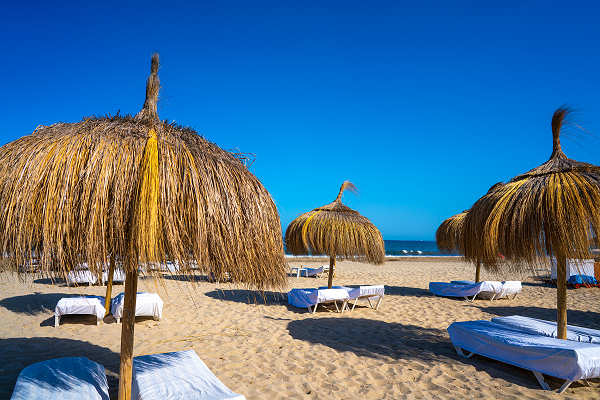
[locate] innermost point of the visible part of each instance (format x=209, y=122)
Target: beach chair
x=118, y=276
x=80, y=277
x=146, y=305
x=69, y=378
x=371, y=292
x=469, y=290
x=548, y=328
x=177, y=375
x=516, y=345
x=311, y=298
x=82, y=305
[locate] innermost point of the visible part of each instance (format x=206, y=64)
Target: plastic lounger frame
x=344, y=306
x=538, y=375
x=368, y=298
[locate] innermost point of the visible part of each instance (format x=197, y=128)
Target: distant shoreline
x=322, y=259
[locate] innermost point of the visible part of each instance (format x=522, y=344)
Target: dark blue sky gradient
x=422, y=108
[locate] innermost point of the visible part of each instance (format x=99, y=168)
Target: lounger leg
x=564, y=386
x=378, y=302
x=541, y=381
x=460, y=352
x=315, y=308
x=336, y=306
x=354, y=304
x=56, y=321
x=493, y=297
x=118, y=320
x=97, y=322
x=369, y=300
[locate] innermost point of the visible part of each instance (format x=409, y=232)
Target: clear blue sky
x=422, y=108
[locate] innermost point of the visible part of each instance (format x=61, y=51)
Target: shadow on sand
x=407, y=291
x=379, y=339
x=33, y=304
x=249, y=296
x=18, y=353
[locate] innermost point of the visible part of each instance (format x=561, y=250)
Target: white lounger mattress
x=563, y=359
x=305, y=298
x=548, y=328
x=82, y=305
x=81, y=276
x=69, y=378
x=493, y=289
x=177, y=375
x=146, y=305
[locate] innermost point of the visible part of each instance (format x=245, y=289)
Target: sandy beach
x=273, y=351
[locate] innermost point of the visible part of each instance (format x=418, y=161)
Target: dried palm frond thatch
x=449, y=234
x=552, y=210
x=337, y=231
x=135, y=190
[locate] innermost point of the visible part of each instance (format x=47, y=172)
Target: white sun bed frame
x=83, y=305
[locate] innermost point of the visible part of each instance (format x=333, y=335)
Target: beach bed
x=548, y=328
x=80, y=277
x=307, y=298
x=83, y=305
x=470, y=290
x=146, y=305
x=517, y=345
x=364, y=292
x=69, y=378
x=306, y=271
x=177, y=375
x=118, y=276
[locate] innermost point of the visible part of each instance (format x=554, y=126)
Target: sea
x=412, y=248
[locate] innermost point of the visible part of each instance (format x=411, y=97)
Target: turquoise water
x=413, y=248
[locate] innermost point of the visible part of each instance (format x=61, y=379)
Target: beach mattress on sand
x=492, y=289
x=82, y=305
x=178, y=375
x=69, y=378
x=548, y=328
x=305, y=298
x=81, y=276
x=563, y=359
x=574, y=267
x=355, y=292
x=146, y=305
x=308, y=272
x=118, y=275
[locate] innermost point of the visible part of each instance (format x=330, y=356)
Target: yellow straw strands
x=135, y=187
x=553, y=209
x=449, y=234
x=337, y=231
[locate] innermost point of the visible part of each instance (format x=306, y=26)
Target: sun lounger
x=178, y=375
x=306, y=271
x=307, y=298
x=371, y=292
x=83, y=305
x=548, y=328
x=80, y=277
x=565, y=359
x=118, y=276
x=146, y=305
x=469, y=291
x=574, y=267
x=69, y=378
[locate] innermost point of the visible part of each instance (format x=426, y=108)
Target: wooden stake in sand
x=552, y=210
x=142, y=191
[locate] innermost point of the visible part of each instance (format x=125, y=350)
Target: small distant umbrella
x=138, y=190
x=450, y=236
x=551, y=210
x=337, y=231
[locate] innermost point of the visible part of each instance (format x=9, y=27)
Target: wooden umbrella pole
x=128, y=321
x=331, y=269
x=561, y=296
x=478, y=271
x=111, y=272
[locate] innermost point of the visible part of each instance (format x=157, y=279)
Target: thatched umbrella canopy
x=338, y=231
x=137, y=190
x=552, y=210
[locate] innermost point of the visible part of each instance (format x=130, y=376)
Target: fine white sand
x=272, y=351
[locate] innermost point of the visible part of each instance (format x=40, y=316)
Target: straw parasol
x=338, y=231
x=450, y=236
x=135, y=190
x=552, y=210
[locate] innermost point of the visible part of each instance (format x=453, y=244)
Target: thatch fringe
x=449, y=235
x=337, y=230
